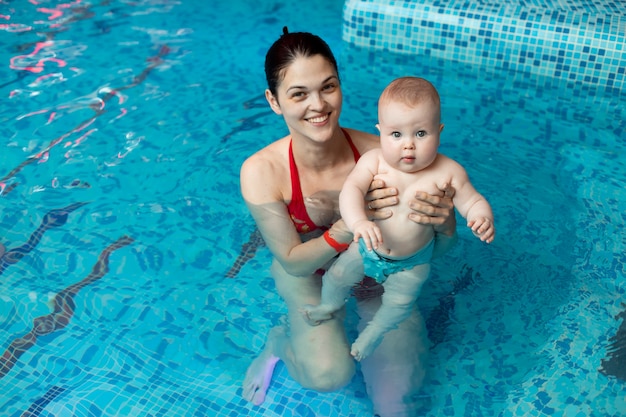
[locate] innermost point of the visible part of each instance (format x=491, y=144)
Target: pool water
x=133, y=282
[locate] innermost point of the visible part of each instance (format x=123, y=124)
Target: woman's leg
x=317, y=357
x=395, y=371
x=342, y=275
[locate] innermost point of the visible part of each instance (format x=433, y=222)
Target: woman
x=305, y=234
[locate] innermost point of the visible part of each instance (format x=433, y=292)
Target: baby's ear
x=378, y=127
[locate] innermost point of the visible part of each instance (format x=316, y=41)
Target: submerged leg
x=401, y=292
x=337, y=283
x=395, y=371
x=259, y=373
x=316, y=315
x=316, y=357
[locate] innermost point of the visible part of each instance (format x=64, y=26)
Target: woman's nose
x=317, y=101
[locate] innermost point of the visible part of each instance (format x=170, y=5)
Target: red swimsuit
x=296, y=207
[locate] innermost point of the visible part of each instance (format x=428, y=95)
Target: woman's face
x=309, y=98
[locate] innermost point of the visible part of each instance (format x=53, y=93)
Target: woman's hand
x=378, y=197
x=435, y=209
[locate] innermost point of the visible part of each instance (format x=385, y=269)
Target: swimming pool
x=124, y=127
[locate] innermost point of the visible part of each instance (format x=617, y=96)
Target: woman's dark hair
x=287, y=48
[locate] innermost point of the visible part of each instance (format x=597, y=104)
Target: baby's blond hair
x=410, y=91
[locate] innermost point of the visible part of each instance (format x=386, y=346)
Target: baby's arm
x=480, y=217
x=351, y=200
x=472, y=205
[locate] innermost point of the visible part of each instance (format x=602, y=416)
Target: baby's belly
x=402, y=237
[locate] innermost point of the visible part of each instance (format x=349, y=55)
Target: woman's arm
x=260, y=190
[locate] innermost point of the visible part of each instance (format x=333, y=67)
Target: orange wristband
x=339, y=247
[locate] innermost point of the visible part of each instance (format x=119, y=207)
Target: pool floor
x=134, y=283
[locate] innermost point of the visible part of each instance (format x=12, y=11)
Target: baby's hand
x=369, y=232
x=483, y=228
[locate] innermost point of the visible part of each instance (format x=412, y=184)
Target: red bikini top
x=296, y=207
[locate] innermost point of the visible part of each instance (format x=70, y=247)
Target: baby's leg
x=401, y=291
x=395, y=371
x=337, y=282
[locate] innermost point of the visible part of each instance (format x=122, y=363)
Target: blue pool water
x=124, y=125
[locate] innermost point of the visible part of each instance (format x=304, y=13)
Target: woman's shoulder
x=362, y=140
x=263, y=172
x=272, y=155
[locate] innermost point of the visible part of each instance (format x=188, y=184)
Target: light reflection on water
x=159, y=138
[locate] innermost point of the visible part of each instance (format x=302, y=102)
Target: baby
x=397, y=251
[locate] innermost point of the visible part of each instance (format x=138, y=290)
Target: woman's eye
x=329, y=87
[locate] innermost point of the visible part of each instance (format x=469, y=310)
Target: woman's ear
x=273, y=102
x=440, y=127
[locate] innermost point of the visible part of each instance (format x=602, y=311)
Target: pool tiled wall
x=581, y=41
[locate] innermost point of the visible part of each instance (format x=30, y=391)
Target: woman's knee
x=326, y=375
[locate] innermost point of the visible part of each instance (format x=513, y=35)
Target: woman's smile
x=318, y=120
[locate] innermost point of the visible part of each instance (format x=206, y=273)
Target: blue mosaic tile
x=164, y=334
x=580, y=41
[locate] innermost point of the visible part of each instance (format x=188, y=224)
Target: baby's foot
x=259, y=373
x=316, y=315
x=365, y=344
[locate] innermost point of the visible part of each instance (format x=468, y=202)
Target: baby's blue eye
x=420, y=133
x=395, y=134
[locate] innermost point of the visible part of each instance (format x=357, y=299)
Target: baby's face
x=409, y=135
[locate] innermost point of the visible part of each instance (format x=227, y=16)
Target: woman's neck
x=320, y=156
